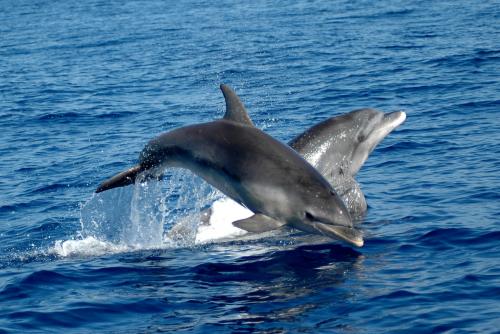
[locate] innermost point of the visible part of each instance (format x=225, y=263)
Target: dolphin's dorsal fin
x=235, y=110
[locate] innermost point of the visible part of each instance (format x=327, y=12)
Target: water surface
x=85, y=84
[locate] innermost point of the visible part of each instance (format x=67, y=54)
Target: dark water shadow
x=302, y=261
x=277, y=288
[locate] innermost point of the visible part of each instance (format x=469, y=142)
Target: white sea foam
x=88, y=246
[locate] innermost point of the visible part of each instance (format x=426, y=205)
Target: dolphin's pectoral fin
x=235, y=110
x=258, y=223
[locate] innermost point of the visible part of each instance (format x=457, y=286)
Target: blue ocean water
x=85, y=84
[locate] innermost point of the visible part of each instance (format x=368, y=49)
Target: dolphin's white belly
x=224, y=212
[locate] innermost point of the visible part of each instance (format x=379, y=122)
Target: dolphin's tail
x=120, y=180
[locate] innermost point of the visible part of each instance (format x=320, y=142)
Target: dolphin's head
x=323, y=212
x=340, y=145
x=369, y=128
x=372, y=125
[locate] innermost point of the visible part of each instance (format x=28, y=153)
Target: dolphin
x=253, y=169
x=337, y=147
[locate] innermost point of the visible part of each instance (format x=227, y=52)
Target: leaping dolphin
x=252, y=168
x=337, y=147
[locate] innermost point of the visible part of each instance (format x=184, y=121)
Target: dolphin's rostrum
x=254, y=169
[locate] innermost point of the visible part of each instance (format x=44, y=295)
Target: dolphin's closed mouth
x=394, y=119
x=348, y=234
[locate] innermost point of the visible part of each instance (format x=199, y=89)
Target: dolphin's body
x=337, y=147
x=253, y=169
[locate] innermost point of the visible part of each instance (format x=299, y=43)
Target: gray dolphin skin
x=339, y=146
x=252, y=168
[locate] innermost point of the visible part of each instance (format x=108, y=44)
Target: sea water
x=85, y=84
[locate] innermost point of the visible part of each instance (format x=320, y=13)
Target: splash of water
x=148, y=215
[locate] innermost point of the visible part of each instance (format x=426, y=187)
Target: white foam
x=88, y=246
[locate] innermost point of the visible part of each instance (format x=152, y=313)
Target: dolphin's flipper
x=235, y=110
x=258, y=223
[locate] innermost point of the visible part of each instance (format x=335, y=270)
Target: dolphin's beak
x=394, y=119
x=348, y=234
x=120, y=180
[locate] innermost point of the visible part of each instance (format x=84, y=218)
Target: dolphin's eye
x=309, y=216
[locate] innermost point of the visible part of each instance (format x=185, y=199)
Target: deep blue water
x=85, y=84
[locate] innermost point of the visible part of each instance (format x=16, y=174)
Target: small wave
x=478, y=104
x=398, y=294
x=403, y=47
x=48, y=225
x=68, y=116
x=50, y=188
x=23, y=205
x=401, y=145
x=399, y=12
x=44, y=276
x=441, y=233
x=113, y=115
x=459, y=237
